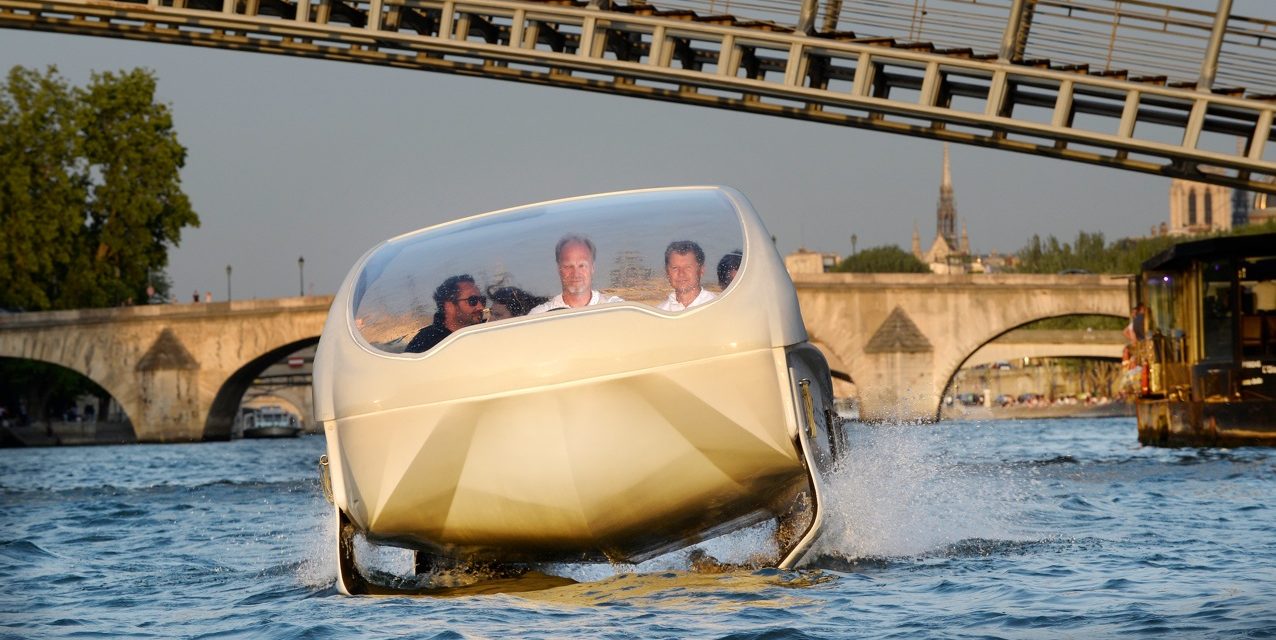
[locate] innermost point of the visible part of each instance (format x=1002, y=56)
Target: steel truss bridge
x=1130, y=84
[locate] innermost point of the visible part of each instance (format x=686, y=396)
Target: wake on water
x=898, y=493
x=901, y=493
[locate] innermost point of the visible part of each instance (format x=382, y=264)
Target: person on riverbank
x=684, y=267
x=575, y=255
x=459, y=304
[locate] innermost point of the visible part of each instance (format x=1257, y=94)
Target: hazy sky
x=291, y=157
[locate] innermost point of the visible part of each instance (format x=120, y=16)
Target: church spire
x=946, y=213
x=917, y=241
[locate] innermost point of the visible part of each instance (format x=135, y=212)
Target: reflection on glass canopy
x=418, y=288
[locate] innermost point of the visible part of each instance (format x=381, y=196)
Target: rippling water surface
x=1058, y=528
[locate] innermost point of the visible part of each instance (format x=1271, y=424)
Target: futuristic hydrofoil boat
x=597, y=379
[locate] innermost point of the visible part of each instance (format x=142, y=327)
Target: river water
x=1048, y=528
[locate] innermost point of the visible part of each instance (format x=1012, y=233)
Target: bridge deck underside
x=754, y=67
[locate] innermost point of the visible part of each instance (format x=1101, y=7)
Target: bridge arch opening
x=222, y=413
x=46, y=403
x=1092, y=339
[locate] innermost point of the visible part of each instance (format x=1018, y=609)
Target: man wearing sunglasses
x=459, y=304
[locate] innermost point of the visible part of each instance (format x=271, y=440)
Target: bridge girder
x=753, y=67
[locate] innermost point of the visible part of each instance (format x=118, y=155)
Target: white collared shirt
x=671, y=303
x=556, y=302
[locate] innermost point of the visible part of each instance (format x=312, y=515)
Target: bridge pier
x=167, y=405
x=899, y=388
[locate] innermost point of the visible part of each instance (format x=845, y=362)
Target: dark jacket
x=426, y=338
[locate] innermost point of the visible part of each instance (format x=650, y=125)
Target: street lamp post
x=227, y=283
x=301, y=274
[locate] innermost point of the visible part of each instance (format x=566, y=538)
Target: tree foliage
x=884, y=259
x=90, y=190
x=1091, y=253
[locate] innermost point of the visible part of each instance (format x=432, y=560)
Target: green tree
x=90, y=190
x=38, y=192
x=1091, y=253
x=884, y=259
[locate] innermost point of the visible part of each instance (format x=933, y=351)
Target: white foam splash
x=318, y=568
x=899, y=492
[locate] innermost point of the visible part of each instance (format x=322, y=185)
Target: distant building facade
x=806, y=261
x=1196, y=207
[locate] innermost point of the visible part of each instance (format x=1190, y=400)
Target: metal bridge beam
x=1209, y=65
x=1012, y=38
x=635, y=51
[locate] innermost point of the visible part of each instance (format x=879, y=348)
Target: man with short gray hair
x=575, y=254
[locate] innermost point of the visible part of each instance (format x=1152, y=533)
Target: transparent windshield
x=416, y=290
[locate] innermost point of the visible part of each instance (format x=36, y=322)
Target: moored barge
x=1205, y=329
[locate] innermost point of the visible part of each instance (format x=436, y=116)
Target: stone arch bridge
x=902, y=337
x=178, y=371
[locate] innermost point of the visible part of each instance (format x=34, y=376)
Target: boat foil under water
x=471, y=424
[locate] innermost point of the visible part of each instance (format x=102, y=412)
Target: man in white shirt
x=575, y=256
x=684, y=266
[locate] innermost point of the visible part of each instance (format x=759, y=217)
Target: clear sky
x=292, y=157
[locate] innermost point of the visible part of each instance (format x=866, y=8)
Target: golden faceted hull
x=618, y=469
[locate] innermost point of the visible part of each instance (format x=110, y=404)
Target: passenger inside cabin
x=575, y=255
x=727, y=266
x=684, y=266
x=459, y=304
x=511, y=302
